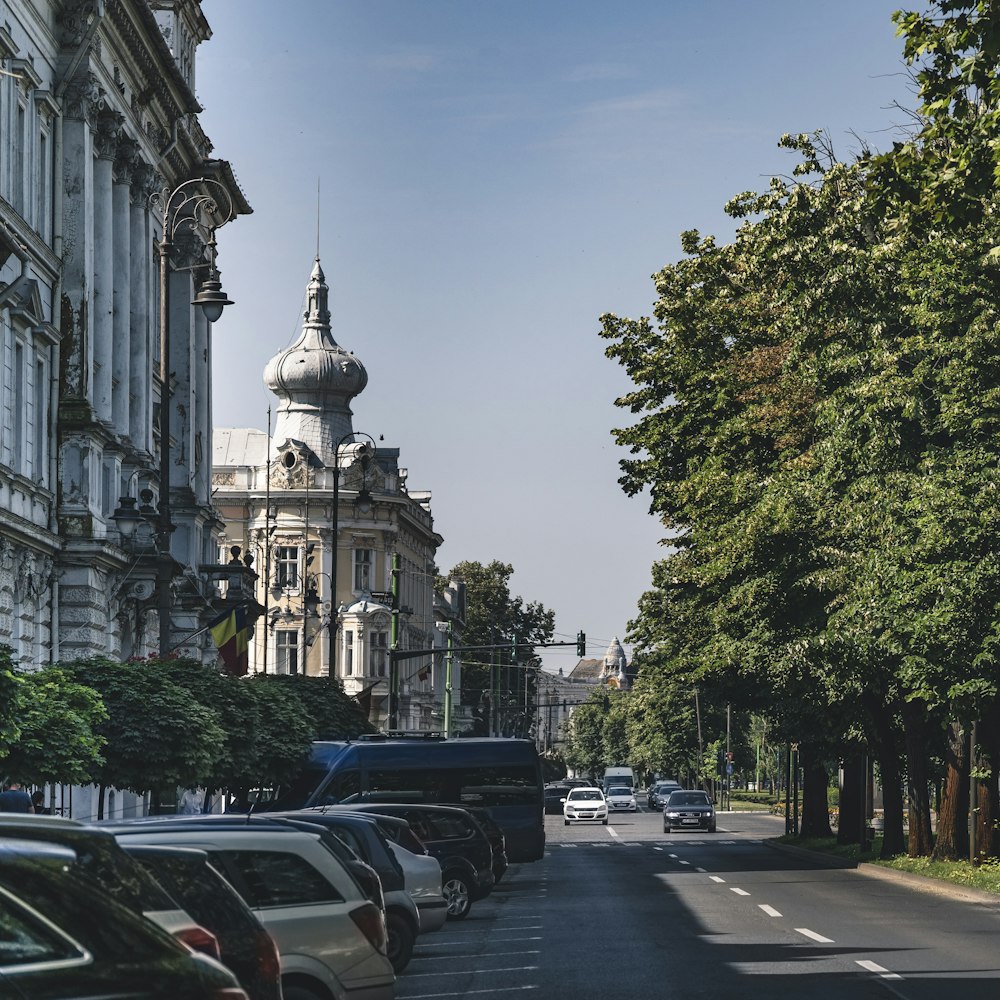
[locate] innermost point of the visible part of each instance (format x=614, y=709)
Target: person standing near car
x=14, y=799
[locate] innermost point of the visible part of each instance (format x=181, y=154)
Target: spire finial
x=317, y=217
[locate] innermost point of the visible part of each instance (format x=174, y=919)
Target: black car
x=63, y=937
x=458, y=843
x=495, y=835
x=245, y=946
x=689, y=810
x=554, y=795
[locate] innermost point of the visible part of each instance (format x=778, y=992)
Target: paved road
x=625, y=911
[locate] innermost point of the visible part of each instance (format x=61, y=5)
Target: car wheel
x=711, y=829
x=566, y=821
x=604, y=822
x=401, y=938
x=295, y=992
x=666, y=829
x=455, y=889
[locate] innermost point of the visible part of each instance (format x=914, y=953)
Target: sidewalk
x=921, y=883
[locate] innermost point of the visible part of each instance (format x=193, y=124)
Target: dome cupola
x=315, y=379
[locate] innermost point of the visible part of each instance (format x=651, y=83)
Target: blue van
x=503, y=776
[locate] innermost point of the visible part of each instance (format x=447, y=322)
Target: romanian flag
x=231, y=633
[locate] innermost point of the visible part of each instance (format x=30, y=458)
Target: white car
x=422, y=875
x=620, y=798
x=585, y=804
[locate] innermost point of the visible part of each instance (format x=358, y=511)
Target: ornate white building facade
x=97, y=115
x=344, y=550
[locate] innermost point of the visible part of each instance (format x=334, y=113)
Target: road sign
x=729, y=768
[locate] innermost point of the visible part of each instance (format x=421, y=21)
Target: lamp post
x=365, y=452
x=189, y=204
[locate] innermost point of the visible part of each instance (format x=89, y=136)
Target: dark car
x=458, y=843
x=554, y=795
x=495, y=835
x=65, y=937
x=245, y=946
x=688, y=810
x=110, y=869
x=660, y=792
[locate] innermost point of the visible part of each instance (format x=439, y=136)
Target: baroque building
x=98, y=126
x=344, y=550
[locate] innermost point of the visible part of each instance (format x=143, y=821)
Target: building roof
x=590, y=671
x=239, y=446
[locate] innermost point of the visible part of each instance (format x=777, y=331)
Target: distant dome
x=315, y=379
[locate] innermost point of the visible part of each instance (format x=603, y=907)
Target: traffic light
x=729, y=756
x=581, y=644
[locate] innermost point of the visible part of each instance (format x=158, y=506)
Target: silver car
x=331, y=939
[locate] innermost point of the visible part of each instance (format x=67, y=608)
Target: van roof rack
x=401, y=734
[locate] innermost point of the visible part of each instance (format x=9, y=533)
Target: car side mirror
x=562, y=800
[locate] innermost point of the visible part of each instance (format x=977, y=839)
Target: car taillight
x=371, y=923
x=199, y=939
x=267, y=956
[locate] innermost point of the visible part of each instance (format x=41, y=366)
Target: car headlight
x=672, y=815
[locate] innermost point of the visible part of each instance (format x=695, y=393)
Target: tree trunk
x=987, y=786
x=815, y=800
x=852, y=797
x=887, y=754
x=952, y=842
x=920, y=842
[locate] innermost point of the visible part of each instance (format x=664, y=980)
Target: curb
x=922, y=883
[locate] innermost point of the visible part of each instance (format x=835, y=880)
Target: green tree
x=156, y=735
x=59, y=722
x=494, y=619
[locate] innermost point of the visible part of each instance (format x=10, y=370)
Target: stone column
x=143, y=258
x=121, y=296
x=106, y=141
x=77, y=347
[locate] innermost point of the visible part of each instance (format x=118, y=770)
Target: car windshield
x=585, y=793
x=621, y=791
x=689, y=799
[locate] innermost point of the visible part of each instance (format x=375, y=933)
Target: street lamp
x=365, y=452
x=190, y=205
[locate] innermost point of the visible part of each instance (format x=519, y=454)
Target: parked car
x=361, y=835
x=64, y=937
x=109, y=868
x=660, y=792
x=246, y=947
x=621, y=799
x=585, y=804
x=424, y=884
x=689, y=810
x=331, y=938
x=458, y=843
x=421, y=872
x=495, y=835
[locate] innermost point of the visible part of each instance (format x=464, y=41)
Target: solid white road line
x=813, y=935
x=769, y=910
x=878, y=970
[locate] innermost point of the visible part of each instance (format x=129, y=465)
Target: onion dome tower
x=315, y=380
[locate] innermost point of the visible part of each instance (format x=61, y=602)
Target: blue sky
x=495, y=175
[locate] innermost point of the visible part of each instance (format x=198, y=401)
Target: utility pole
x=394, y=646
x=448, y=659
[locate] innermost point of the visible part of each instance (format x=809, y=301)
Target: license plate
x=689, y=821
